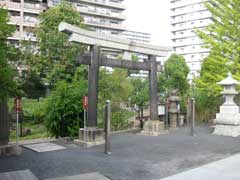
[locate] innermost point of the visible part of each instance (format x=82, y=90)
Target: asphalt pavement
x=134, y=156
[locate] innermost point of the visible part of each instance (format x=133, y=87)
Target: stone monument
x=228, y=119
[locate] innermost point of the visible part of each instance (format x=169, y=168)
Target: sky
x=152, y=16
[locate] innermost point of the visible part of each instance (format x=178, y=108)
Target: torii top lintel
x=83, y=36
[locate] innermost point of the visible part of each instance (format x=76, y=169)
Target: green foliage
x=120, y=119
x=64, y=113
x=134, y=58
x=8, y=85
x=6, y=30
x=37, y=131
x=32, y=108
x=140, y=92
x=32, y=85
x=114, y=86
x=117, y=88
x=56, y=59
x=222, y=37
x=174, y=75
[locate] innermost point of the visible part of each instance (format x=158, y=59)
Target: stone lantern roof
x=228, y=81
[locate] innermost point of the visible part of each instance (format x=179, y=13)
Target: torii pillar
x=153, y=127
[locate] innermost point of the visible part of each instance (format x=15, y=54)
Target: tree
x=174, y=75
x=8, y=85
x=116, y=87
x=140, y=92
x=222, y=38
x=56, y=58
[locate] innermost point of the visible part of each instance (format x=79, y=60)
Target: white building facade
x=103, y=16
x=137, y=36
x=188, y=16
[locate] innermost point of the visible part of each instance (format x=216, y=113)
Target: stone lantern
x=173, y=109
x=228, y=119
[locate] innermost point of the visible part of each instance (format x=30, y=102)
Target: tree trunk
x=4, y=123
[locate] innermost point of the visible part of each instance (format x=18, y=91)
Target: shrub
x=64, y=113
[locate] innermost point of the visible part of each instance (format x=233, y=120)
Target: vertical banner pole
x=17, y=129
x=18, y=107
x=84, y=126
x=85, y=110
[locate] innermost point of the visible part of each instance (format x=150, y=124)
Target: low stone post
x=193, y=117
x=107, y=127
x=173, y=109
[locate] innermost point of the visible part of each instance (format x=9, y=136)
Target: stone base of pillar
x=154, y=128
x=227, y=130
x=90, y=137
x=10, y=150
x=173, y=121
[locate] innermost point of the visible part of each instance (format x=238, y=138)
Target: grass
x=29, y=106
x=37, y=131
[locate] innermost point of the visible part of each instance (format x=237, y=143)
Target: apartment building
x=103, y=16
x=187, y=16
x=23, y=14
x=137, y=36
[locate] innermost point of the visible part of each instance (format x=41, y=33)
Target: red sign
x=17, y=104
x=85, y=102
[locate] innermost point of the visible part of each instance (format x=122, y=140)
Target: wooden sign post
x=17, y=105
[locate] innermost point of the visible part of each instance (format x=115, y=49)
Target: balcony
x=15, y=36
x=11, y=5
x=178, y=4
x=188, y=41
x=15, y=20
x=34, y=7
x=105, y=3
x=191, y=17
x=102, y=14
x=104, y=25
x=29, y=36
x=191, y=25
x=30, y=21
x=192, y=49
x=188, y=9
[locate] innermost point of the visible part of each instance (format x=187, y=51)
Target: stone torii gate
x=95, y=60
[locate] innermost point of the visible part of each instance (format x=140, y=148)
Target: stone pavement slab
x=226, y=169
x=18, y=175
x=87, y=176
x=44, y=147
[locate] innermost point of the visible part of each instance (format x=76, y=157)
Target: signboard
x=85, y=102
x=161, y=109
x=17, y=104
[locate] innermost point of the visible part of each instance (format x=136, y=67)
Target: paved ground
x=225, y=169
x=133, y=156
x=18, y=175
x=87, y=176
